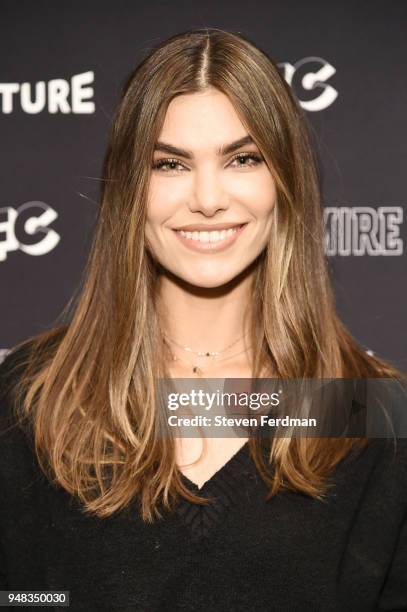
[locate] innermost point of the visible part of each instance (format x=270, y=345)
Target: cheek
x=258, y=194
x=151, y=224
x=153, y=219
x=157, y=212
x=163, y=196
x=153, y=207
x=268, y=198
x=161, y=206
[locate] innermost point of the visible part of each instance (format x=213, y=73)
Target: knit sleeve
x=11, y=365
x=394, y=593
x=3, y=575
x=10, y=368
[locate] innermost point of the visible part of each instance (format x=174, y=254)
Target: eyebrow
x=223, y=150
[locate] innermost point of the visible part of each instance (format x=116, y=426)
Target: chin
x=211, y=278
x=209, y=283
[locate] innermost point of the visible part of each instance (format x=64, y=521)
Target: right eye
x=162, y=163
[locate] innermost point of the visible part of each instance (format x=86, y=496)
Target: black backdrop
x=62, y=66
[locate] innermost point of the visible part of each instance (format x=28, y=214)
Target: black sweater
x=241, y=553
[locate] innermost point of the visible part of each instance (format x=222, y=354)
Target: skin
x=203, y=296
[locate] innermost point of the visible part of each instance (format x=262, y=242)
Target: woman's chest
x=289, y=548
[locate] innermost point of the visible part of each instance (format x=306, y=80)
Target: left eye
x=245, y=156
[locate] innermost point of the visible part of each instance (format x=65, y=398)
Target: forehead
x=205, y=116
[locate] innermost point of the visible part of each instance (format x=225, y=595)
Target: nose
x=208, y=193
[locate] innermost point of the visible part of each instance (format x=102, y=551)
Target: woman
x=207, y=263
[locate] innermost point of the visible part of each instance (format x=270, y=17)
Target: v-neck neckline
x=221, y=473
x=225, y=490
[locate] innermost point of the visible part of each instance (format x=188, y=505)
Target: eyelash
x=163, y=162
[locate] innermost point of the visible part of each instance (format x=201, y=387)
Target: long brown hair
x=89, y=386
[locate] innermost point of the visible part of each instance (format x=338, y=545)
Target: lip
x=205, y=227
x=211, y=247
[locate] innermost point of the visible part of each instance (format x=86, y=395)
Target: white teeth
x=216, y=236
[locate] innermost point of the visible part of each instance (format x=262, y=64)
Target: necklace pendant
x=196, y=370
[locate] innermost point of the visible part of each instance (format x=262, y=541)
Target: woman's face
x=209, y=207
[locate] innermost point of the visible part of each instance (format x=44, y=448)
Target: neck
x=204, y=319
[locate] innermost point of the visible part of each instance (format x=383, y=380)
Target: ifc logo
x=308, y=77
x=27, y=229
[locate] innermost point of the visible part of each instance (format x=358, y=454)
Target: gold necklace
x=204, y=353
x=196, y=369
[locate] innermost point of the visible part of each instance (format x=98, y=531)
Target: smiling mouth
x=210, y=236
x=210, y=241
